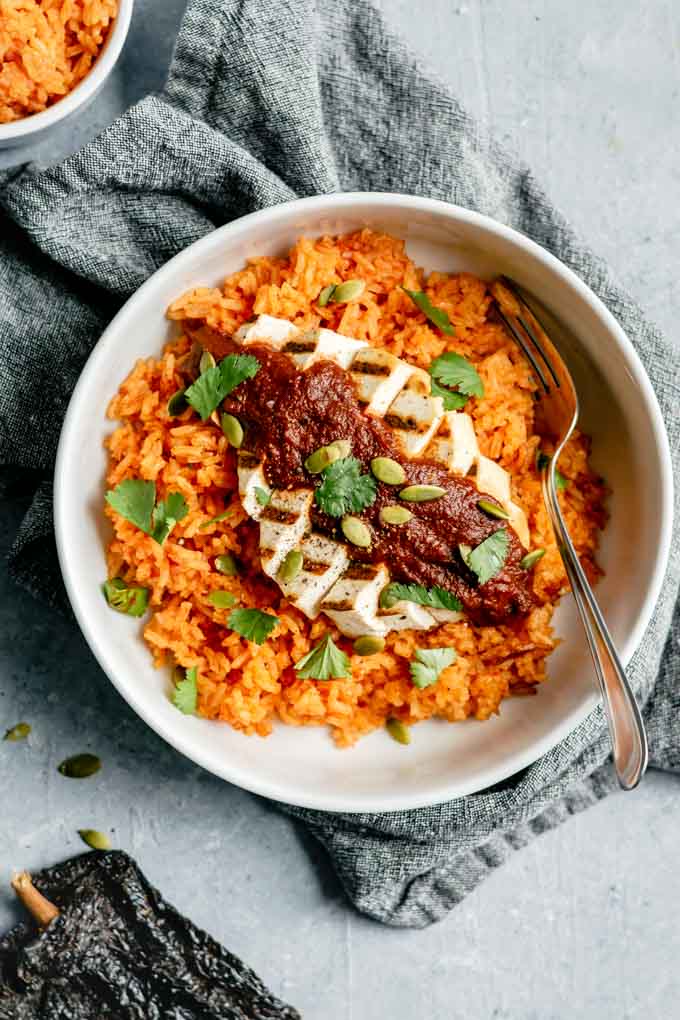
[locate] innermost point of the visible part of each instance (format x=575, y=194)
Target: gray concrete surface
x=583, y=923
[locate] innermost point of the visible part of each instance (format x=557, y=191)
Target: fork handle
x=626, y=729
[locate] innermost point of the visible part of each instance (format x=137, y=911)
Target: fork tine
x=519, y=336
x=533, y=326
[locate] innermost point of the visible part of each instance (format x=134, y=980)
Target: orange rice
x=46, y=48
x=249, y=686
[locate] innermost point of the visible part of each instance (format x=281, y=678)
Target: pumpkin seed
x=388, y=471
x=398, y=730
x=291, y=566
x=18, y=732
x=339, y=449
x=395, y=515
x=226, y=564
x=493, y=509
x=233, y=430
x=177, y=403
x=80, y=766
x=347, y=291
x=464, y=551
x=369, y=644
x=355, y=531
x=207, y=362
x=97, y=840
x=222, y=599
x=319, y=460
x=422, y=493
x=532, y=558
x=325, y=295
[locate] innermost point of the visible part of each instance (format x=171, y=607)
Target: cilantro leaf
x=213, y=386
x=131, y=601
x=252, y=624
x=454, y=371
x=436, y=598
x=324, y=662
x=166, y=514
x=185, y=693
x=215, y=520
x=428, y=664
x=489, y=557
x=436, y=315
x=133, y=499
x=262, y=496
x=452, y=401
x=344, y=489
x=542, y=460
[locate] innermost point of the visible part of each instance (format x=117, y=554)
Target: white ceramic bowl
x=29, y=129
x=629, y=447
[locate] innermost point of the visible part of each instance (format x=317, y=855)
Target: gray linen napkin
x=268, y=100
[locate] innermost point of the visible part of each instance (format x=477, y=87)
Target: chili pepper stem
x=40, y=908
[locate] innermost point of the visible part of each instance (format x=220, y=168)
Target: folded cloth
x=268, y=100
x=118, y=949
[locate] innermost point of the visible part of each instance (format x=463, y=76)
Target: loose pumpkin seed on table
x=18, y=732
x=96, y=840
x=80, y=766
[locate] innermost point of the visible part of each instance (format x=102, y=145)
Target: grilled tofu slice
x=335, y=347
x=324, y=560
x=414, y=414
x=378, y=377
x=493, y=480
x=518, y=521
x=352, y=602
x=405, y=616
x=455, y=443
x=283, y=523
x=265, y=327
x=446, y=615
x=250, y=477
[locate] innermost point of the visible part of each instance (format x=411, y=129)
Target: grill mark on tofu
x=271, y=513
x=395, y=421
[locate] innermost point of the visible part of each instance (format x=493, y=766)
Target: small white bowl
x=38, y=124
x=630, y=448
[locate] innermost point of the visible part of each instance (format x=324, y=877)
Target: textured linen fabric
x=268, y=100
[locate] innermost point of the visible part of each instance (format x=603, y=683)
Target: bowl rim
x=327, y=204
x=18, y=130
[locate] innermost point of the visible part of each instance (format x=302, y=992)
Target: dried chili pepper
x=109, y=945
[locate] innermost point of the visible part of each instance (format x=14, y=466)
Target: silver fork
x=557, y=414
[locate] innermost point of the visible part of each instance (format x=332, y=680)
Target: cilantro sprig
x=324, y=662
x=135, y=500
x=263, y=496
x=437, y=316
x=252, y=624
x=542, y=460
x=435, y=598
x=488, y=558
x=344, y=489
x=213, y=386
x=454, y=379
x=428, y=665
x=185, y=691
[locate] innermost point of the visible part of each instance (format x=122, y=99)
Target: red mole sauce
x=287, y=414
